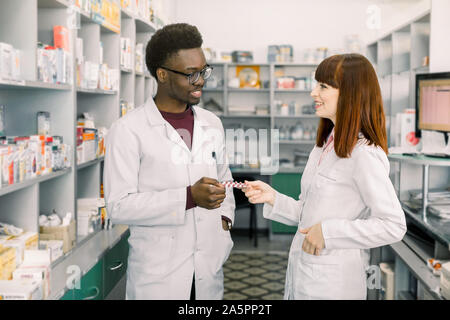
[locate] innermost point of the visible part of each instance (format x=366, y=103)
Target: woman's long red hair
x=360, y=105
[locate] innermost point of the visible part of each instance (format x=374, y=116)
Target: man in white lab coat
x=163, y=167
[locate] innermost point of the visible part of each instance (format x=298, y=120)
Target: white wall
x=396, y=13
x=439, y=39
x=255, y=24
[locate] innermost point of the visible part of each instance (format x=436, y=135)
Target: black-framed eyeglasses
x=194, y=76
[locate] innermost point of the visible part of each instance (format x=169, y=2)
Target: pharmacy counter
x=91, y=254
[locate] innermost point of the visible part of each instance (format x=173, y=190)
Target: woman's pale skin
x=326, y=99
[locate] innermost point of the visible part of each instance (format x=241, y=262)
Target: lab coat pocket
x=152, y=249
x=325, y=273
x=324, y=180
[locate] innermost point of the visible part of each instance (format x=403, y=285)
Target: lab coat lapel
x=155, y=118
x=175, y=137
x=327, y=161
x=200, y=134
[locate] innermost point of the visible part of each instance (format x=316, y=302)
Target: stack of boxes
x=107, y=13
x=24, y=269
x=90, y=140
x=8, y=262
x=91, y=75
x=12, y=249
x=140, y=8
x=86, y=144
x=55, y=62
x=26, y=157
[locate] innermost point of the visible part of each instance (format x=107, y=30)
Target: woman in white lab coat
x=347, y=203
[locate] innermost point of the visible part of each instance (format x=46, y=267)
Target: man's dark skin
x=174, y=94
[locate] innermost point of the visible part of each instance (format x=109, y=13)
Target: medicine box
x=17, y=245
x=65, y=233
x=36, y=266
x=55, y=247
x=61, y=38
x=6, y=52
x=20, y=290
x=30, y=240
x=7, y=262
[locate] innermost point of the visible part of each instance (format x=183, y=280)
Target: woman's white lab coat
x=356, y=203
x=147, y=170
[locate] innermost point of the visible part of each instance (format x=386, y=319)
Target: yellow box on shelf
x=7, y=262
x=106, y=13
x=30, y=240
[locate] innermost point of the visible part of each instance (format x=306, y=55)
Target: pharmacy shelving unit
x=287, y=178
x=100, y=257
x=398, y=56
x=226, y=97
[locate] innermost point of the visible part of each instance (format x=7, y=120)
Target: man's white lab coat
x=147, y=169
x=356, y=203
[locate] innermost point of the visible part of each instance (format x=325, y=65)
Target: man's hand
x=314, y=241
x=208, y=193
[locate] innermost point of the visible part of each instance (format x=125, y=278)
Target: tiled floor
x=256, y=273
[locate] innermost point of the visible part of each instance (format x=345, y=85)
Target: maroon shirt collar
x=178, y=116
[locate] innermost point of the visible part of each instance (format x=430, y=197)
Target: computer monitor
x=433, y=102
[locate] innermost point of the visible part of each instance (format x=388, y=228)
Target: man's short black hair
x=168, y=41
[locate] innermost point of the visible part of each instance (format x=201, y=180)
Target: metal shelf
x=421, y=160
x=53, y=4
x=125, y=70
x=439, y=229
x=26, y=84
x=90, y=163
x=96, y=91
x=418, y=268
x=144, y=26
x=22, y=185
x=127, y=13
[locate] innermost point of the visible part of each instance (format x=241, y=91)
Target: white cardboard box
x=20, y=290
x=36, y=266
